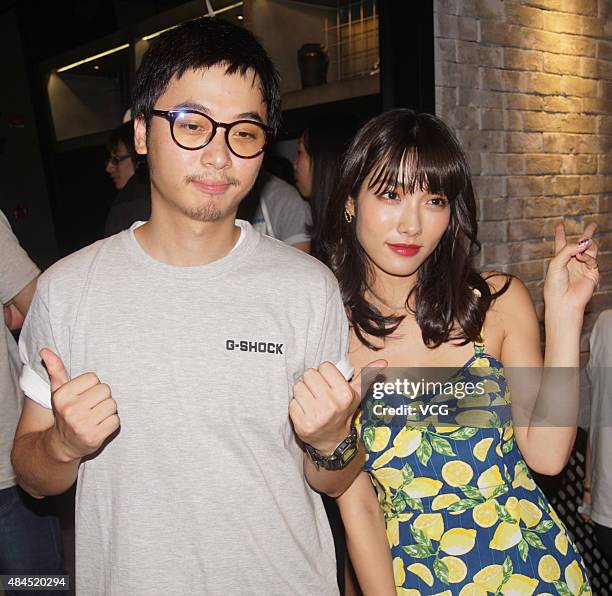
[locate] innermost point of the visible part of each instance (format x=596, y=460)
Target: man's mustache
x=212, y=180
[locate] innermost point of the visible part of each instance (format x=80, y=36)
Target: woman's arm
x=545, y=401
x=545, y=446
x=366, y=538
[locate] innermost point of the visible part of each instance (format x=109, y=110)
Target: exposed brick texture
x=527, y=87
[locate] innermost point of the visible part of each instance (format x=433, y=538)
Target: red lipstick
x=405, y=250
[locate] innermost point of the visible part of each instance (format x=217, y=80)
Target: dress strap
x=479, y=344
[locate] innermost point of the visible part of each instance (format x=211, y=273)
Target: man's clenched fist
x=85, y=412
x=324, y=404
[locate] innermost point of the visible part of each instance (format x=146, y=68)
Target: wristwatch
x=341, y=456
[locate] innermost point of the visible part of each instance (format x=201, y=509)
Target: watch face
x=348, y=454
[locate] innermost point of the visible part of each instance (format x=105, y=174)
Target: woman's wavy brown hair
x=415, y=151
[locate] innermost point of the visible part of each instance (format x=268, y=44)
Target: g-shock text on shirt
x=265, y=347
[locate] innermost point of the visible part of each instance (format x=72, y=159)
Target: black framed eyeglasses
x=193, y=130
x=115, y=160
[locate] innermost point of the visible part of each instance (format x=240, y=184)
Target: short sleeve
x=16, y=268
x=295, y=221
x=332, y=344
x=289, y=214
x=600, y=355
x=35, y=335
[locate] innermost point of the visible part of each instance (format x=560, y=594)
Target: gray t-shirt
x=600, y=432
x=202, y=491
x=282, y=213
x=16, y=272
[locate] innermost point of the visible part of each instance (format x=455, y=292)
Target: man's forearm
x=39, y=469
x=334, y=482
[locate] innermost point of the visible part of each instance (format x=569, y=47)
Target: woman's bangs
x=398, y=169
x=418, y=171
x=442, y=166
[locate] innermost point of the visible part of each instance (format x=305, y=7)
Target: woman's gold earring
x=348, y=216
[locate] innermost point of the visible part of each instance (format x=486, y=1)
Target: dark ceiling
x=51, y=28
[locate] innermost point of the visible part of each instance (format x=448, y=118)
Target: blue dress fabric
x=463, y=514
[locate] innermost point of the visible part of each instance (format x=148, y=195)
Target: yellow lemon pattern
x=407, y=592
x=472, y=589
x=393, y=527
x=482, y=448
x=457, y=473
x=398, y=571
x=458, y=541
x=463, y=513
x=381, y=438
x=406, y=442
x=573, y=577
x=423, y=572
x=423, y=487
x=489, y=481
x=519, y=585
x=531, y=514
x=489, y=578
x=431, y=524
x=443, y=501
x=548, y=569
x=457, y=569
x=506, y=536
x=513, y=509
x=485, y=515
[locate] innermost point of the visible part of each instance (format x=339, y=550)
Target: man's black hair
x=124, y=133
x=201, y=44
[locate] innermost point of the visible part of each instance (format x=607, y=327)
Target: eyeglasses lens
x=193, y=131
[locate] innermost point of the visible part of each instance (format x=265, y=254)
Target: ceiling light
x=85, y=60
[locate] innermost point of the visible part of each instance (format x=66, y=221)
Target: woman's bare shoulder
x=511, y=291
x=513, y=310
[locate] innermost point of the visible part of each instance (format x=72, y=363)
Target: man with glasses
x=130, y=177
x=170, y=353
x=121, y=162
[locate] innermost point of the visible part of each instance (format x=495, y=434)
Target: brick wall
x=527, y=86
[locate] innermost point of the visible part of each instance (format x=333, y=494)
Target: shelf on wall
x=330, y=92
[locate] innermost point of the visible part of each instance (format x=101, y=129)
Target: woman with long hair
x=321, y=148
x=317, y=165
x=454, y=499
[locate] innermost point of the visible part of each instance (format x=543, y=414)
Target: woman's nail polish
x=582, y=244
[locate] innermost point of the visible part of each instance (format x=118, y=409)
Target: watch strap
x=341, y=456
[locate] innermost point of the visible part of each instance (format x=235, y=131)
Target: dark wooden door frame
x=407, y=74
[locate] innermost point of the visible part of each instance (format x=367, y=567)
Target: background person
x=321, y=148
x=597, y=494
x=122, y=160
x=275, y=208
x=130, y=175
x=30, y=541
x=317, y=165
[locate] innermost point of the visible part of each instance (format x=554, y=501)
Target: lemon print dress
x=463, y=514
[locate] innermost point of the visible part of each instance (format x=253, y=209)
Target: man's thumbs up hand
x=324, y=404
x=55, y=368
x=85, y=412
